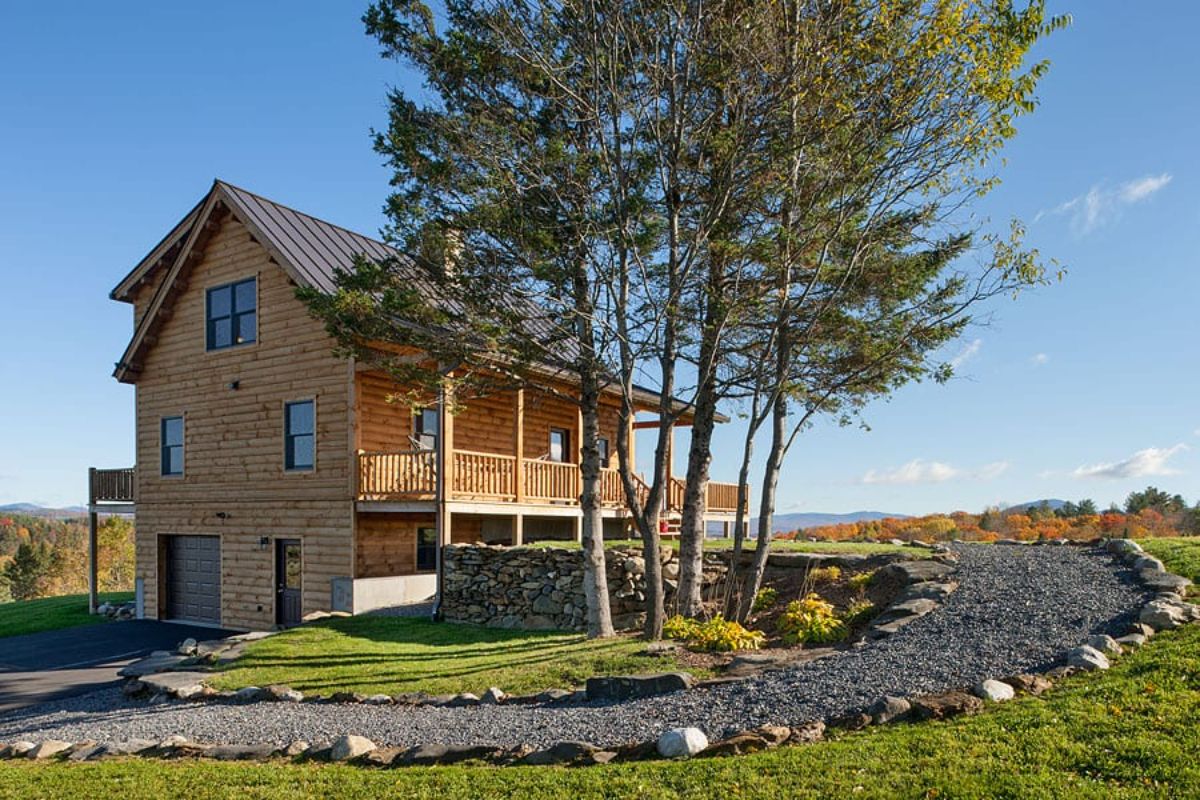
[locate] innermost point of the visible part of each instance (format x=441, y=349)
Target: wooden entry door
x=288, y=570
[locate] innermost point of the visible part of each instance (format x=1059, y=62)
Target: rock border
x=1166, y=610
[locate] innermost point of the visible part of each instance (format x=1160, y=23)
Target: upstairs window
x=425, y=429
x=602, y=445
x=426, y=549
x=560, y=445
x=171, y=445
x=231, y=314
x=299, y=435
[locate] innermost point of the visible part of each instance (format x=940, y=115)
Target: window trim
x=566, y=454
x=162, y=424
x=313, y=467
x=417, y=549
x=208, y=290
x=605, y=451
x=417, y=432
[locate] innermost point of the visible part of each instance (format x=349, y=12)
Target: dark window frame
x=565, y=455
x=290, y=437
x=166, y=449
x=234, y=316
x=426, y=439
x=426, y=561
x=602, y=446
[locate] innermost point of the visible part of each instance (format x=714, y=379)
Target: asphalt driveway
x=54, y=664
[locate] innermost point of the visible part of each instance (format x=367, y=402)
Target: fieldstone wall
x=542, y=588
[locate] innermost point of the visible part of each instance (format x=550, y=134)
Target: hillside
x=782, y=523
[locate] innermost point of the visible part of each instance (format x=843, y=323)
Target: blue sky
x=114, y=119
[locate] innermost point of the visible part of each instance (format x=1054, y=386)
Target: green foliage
x=859, y=612
x=30, y=572
x=1155, y=499
x=825, y=574
x=46, y=556
x=861, y=580
x=717, y=635
x=811, y=621
x=766, y=598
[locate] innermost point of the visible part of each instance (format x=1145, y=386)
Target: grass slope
x=1127, y=733
x=390, y=655
x=52, y=613
x=1181, y=556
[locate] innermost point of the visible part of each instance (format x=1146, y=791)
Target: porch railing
x=112, y=485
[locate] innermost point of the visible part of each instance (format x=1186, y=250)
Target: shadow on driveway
x=56, y=664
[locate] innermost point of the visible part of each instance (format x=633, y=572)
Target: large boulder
x=945, y=705
x=1123, y=546
x=995, y=691
x=1163, y=581
x=183, y=685
x=1029, y=684
x=1086, y=657
x=889, y=709
x=622, y=687
x=1150, y=563
x=682, y=743
x=573, y=753
x=48, y=749
x=350, y=747
x=1105, y=644
x=1164, y=614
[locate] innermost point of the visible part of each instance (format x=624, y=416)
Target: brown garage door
x=193, y=578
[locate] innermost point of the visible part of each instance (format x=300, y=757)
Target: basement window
x=426, y=549
x=231, y=314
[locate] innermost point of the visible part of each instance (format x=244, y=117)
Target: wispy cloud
x=969, y=351
x=1039, y=359
x=921, y=471
x=1102, y=204
x=1143, y=463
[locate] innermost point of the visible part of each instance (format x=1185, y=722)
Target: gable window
x=426, y=549
x=560, y=445
x=231, y=314
x=602, y=444
x=425, y=428
x=299, y=435
x=171, y=444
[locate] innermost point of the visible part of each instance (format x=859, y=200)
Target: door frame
x=278, y=584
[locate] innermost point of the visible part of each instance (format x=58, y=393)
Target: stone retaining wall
x=542, y=588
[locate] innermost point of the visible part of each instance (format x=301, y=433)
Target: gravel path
x=1017, y=609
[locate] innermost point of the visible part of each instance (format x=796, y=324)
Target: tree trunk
x=733, y=576
x=595, y=577
x=766, y=508
x=695, y=502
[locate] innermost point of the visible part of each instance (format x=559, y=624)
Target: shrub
x=859, y=611
x=825, y=574
x=811, y=620
x=860, y=581
x=765, y=599
x=716, y=635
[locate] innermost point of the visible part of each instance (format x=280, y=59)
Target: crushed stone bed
x=1017, y=609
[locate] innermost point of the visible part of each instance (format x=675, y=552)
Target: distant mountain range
x=782, y=523
x=1054, y=504
x=34, y=510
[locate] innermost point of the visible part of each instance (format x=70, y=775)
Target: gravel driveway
x=1017, y=609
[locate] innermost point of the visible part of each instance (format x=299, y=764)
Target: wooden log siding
x=410, y=473
x=484, y=475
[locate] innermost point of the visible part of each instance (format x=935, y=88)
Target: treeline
x=1148, y=513
x=43, y=557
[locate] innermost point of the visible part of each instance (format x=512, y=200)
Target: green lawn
x=1181, y=556
x=865, y=548
x=52, y=613
x=1127, y=733
x=389, y=655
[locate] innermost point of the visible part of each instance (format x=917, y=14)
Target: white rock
x=48, y=749
x=1105, y=644
x=1150, y=563
x=350, y=746
x=249, y=693
x=1132, y=640
x=379, y=700
x=1124, y=546
x=682, y=742
x=19, y=749
x=187, y=647
x=1087, y=657
x=1163, y=614
x=493, y=696
x=995, y=691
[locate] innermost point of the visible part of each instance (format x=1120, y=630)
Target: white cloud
x=1038, y=359
x=1101, y=205
x=966, y=354
x=920, y=471
x=1143, y=463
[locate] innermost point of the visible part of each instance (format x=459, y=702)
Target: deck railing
x=112, y=485
x=412, y=475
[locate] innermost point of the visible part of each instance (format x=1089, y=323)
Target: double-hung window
x=231, y=314
x=299, y=435
x=425, y=428
x=171, y=445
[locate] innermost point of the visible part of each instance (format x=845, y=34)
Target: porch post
x=93, y=548
x=519, y=452
x=518, y=537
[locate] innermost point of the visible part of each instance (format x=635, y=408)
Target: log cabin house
x=274, y=479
